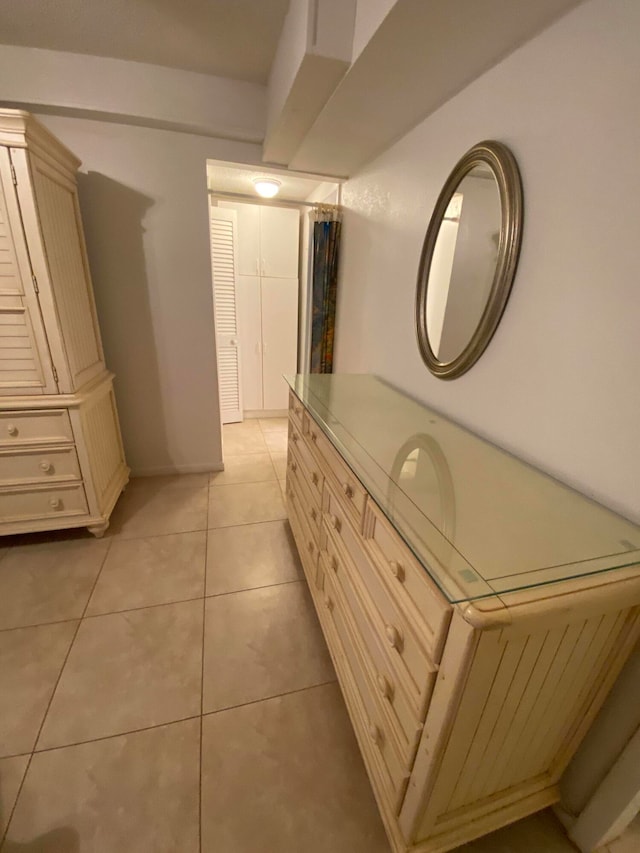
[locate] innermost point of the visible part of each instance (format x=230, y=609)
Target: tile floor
x=167, y=689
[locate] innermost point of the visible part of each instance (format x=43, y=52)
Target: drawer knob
x=314, y=436
x=310, y=546
x=297, y=409
x=294, y=437
x=393, y=636
x=12, y=429
x=335, y=523
x=346, y=488
x=314, y=514
x=290, y=493
x=334, y=564
x=328, y=603
x=384, y=686
x=314, y=478
x=55, y=503
x=45, y=466
x=375, y=734
x=397, y=570
x=293, y=466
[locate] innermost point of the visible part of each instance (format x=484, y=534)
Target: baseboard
x=203, y=468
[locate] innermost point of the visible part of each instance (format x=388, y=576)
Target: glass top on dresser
x=481, y=521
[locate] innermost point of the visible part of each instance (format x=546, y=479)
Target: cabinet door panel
x=25, y=364
x=250, y=329
x=279, y=237
x=279, y=338
x=248, y=238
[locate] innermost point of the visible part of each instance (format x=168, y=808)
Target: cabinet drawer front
x=46, y=464
x=409, y=655
x=45, y=426
x=312, y=471
x=42, y=502
x=407, y=580
x=377, y=732
x=350, y=489
x=400, y=712
x=311, y=508
x=295, y=410
x=307, y=546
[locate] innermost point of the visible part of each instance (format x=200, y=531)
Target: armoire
x=255, y=250
x=61, y=457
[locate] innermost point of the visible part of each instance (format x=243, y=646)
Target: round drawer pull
x=375, y=734
x=335, y=523
x=328, y=603
x=12, y=429
x=294, y=437
x=384, y=686
x=314, y=436
x=55, y=503
x=397, y=570
x=293, y=466
x=334, y=564
x=310, y=546
x=346, y=488
x=45, y=466
x=314, y=478
x=297, y=409
x=393, y=636
x=314, y=514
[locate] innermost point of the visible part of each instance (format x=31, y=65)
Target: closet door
x=248, y=239
x=279, y=239
x=279, y=338
x=250, y=323
x=224, y=265
x=25, y=363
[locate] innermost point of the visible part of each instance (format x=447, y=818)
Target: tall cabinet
x=267, y=302
x=61, y=457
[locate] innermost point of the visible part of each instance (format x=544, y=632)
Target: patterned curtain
x=326, y=244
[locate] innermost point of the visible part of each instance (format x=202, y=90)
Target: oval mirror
x=468, y=259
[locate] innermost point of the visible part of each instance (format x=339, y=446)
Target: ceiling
x=228, y=38
x=225, y=178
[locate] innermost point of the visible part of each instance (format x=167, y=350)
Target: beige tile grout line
x=53, y=693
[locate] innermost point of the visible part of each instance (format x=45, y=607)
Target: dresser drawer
x=351, y=490
x=399, y=710
x=305, y=541
x=312, y=510
x=310, y=468
x=296, y=410
x=45, y=426
x=34, y=465
x=37, y=502
x=407, y=647
x=374, y=728
x=407, y=581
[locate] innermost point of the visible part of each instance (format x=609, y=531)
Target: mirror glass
x=464, y=263
x=468, y=260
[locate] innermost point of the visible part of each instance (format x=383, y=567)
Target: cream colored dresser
x=477, y=611
x=61, y=457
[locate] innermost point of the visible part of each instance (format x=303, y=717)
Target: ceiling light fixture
x=267, y=187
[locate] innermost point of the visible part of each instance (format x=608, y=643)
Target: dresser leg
x=98, y=530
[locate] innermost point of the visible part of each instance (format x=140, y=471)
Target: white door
x=279, y=239
x=224, y=229
x=279, y=338
x=250, y=323
x=248, y=239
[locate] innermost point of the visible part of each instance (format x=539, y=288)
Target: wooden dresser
x=477, y=611
x=61, y=457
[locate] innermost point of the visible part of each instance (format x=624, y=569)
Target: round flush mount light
x=267, y=187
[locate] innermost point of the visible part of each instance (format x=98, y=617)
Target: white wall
x=143, y=195
x=558, y=384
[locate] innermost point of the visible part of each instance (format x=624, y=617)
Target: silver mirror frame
x=505, y=169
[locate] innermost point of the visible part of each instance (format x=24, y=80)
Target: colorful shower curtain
x=326, y=244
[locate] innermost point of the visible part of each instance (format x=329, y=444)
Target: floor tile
x=629, y=841
x=242, y=438
x=30, y=663
x=261, y=643
x=285, y=775
x=274, y=424
x=137, y=792
x=156, y=570
x=178, y=481
x=48, y=581
x=11, y=774
x=251, y=556
x=276, y=441
x=154, y=509
x=248, y=503
x=280, y=464
x=541, y=832
x=127, y=671
x=250, y=468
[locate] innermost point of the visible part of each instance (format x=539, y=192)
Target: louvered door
x=25, y=364
x=224, y=265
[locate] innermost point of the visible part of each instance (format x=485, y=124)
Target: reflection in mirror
x=463, y=264
x=469, y=259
